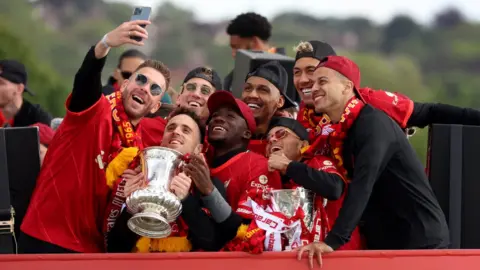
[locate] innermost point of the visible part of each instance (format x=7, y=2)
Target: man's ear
x=281, y=102
x=348, y=87
x=198, y=149
x=20, y=88
x=156, y=107
x=247, y=134
x=124, y=84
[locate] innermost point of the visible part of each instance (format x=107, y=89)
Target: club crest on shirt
x=327, y=129
x=327, y=163
x=263, y=179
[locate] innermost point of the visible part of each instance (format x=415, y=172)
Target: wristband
x=104, y=41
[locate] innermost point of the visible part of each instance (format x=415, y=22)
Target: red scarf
x=330, y=137
x=125, y=136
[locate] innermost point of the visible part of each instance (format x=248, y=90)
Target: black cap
x=291, y=124
x=207, y=74
x=14, y=72
x=318, y=51
x=275, y=73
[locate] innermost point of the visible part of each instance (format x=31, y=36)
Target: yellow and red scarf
x=329, y=137
x=126, y=144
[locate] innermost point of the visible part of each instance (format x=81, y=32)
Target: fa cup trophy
x=288, y=202
x=154, y=206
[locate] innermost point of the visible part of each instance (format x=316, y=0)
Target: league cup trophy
x=154, y=206
x=289, y=202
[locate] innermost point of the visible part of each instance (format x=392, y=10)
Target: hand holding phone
x=143, y=14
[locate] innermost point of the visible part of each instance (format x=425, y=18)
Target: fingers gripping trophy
x=154, y=207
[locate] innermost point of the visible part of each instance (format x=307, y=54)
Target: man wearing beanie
x=265, y=93
x=287, y=141
x=388, y=186
x=197, y=87
x=399, y=107
x=15, y=111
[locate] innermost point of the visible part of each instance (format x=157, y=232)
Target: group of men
x=347, y=145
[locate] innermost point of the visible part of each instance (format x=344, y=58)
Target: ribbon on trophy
x=275, y=225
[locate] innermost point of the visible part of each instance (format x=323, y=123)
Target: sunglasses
x=142, y=80
x=204, y=89
x=126, y=74
x=280, y=134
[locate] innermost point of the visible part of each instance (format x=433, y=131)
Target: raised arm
x=87, y=86
x=425, y=114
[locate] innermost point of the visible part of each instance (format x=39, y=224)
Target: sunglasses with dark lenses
x=142, y=80
x=280, y=134
x=126, y=74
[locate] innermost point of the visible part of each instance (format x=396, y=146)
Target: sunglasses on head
x=126, y=74
x=280, y=134
x=142, y=80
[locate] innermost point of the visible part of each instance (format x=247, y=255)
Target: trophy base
x=149, y=224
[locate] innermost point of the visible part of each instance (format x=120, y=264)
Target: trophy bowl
x=154, y=207
x=287, y=202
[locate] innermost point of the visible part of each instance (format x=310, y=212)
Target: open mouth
x=174, y=142
x=275, y=149
x=218, y=128
x=194, y=104
x=138, y=99
x=253, y=106
x=307, y=91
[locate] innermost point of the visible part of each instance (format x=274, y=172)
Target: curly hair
x=250, y=25
x=303, y=46
x=191, y=114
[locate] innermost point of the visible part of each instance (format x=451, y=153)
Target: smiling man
x=388, y=187
x=265, y=93
x=96, y=142
x=199, y=84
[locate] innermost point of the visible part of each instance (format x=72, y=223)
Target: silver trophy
x=287, y=202
x=154, y=206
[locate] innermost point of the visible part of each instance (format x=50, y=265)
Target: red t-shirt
x=152, y=130
x=69, y=202
x=332, y=208
x=258, y=146
x=244, y=173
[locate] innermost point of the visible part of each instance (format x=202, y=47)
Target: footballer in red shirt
x=67, y=210
x=243, y=172
x=286, y=139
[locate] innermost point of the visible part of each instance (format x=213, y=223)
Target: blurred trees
x=435, y=63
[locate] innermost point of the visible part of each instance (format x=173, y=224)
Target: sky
x=380, y=11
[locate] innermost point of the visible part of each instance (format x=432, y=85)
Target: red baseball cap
x=344, y=66
x=45, y=133
x=224, y=98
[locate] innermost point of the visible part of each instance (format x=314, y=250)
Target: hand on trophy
x=278, y=161
x=198, y=170
x=134, y=179
x=314, y=249
x=180, y=185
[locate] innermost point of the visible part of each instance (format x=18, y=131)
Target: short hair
x=250, y=25
x=132, y=53
x=191, y=114
x=160, y=67
x=303, y=47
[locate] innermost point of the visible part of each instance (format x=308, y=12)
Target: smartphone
x=140, y=13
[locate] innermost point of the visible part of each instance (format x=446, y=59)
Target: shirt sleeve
x=323, y=179
x=87, y=85
x=425, y=114
x=374, y=140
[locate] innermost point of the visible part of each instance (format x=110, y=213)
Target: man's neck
x=261, y=129
x=222, y=149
